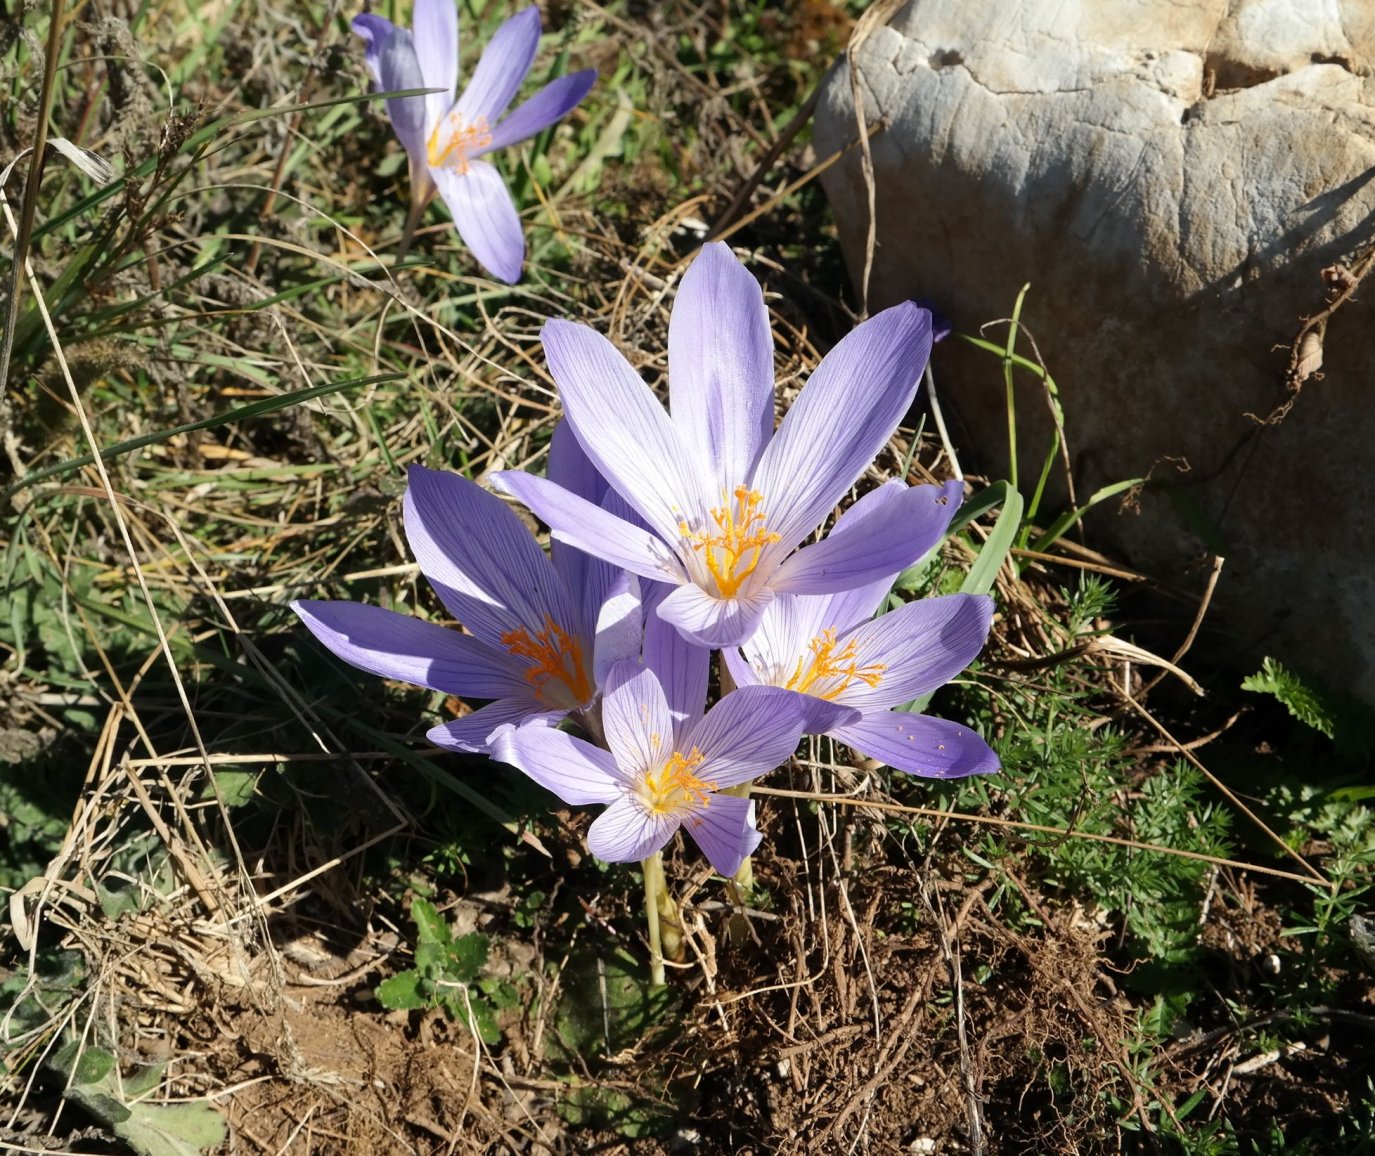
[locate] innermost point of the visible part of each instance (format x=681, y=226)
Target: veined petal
x=740, y=671
x=435, y=27
x=390, y=57
x=713, y=622
x=921, y=646
x=570, y=468
x=625, y=430
x=482, y=561
x=620, y=624
x=882, y=545
x=627, y=833
x=754, y=729
x=682, y=667
x=476, y=733
x=841, y=419
x=485, y=216
x=636, y=719
x=590, y=528
x=502, y=68
x=846, y=608
x=393, y=645
x=785, y=631
x=919, y=745
x=550, y=104
x=576, y=771
x=720, y=365
x=724, y=828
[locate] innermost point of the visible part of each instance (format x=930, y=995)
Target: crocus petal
x=390, y=57
x=476, y=733
x=740, y=671
x=435, y=27
x=784, y=636
x=485, y=217
x=482, y=561
x=841, y=419
x=624, y=429
x=636, y=719
x=502, y=68
x=754, y=729
x=930, y=747
x=571, y=469
x=921, y=645
x=590, y=528
x=886, y=542
x=620, y=625
x=551, y=103
x=393, y=645
x=576, y=771
x=720, y=365
x=683, y=668
x=725, y=830
x=626, y=833
x=714, y=622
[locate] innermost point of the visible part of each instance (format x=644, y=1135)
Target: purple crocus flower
x=543, y=632
x=832, y=647
x=659, y=775
x=725, y=501
x=444, y=136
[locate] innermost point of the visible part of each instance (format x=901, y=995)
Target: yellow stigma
x=557, y=671
x=841, y=669
x=676, y=787
x=732, y=550
x=452, y=141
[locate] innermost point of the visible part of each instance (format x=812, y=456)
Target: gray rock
x=1172, y=179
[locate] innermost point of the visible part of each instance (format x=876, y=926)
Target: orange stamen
x=826, y=663
x=557, y=670
x=732, y=552
x=452, y=141
x=676, y=786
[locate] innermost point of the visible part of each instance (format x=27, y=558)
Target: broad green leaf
x=402, y=992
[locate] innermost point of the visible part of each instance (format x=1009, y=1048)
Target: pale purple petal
x=754, y=729
x=435, y=27
x=636, y=719
x=930, y=747
x=501, y=69
x=625, y=430
x=725, y=830
x=848, y=607
x=485, y=216
x=551, y=103
x=576, y=771
x=842, y=418
x=570, y=468
x=482, y=561
x=682, y=667
x=784, y=634
x=393, y=645
x=883, y=544
x=390, y=57
x=714, y=622
x=475, y=733
x=740, y=671
x=922, y=645
x=620, y=625
x=590, y=528
x=720, y=365
x=626, y=833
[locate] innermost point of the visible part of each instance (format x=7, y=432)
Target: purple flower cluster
x=676, y=534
